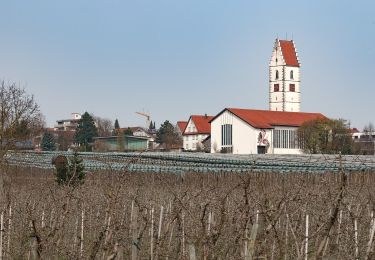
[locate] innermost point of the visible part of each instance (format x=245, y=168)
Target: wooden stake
x=152, y=235
x=192, y=255
x=133, y=228
x=356, y=238
x=9, y=228
x=307, y=237
x=1, y=234
x=160, y=221
x=82, y=222
x=338, y=228
x=371, y=238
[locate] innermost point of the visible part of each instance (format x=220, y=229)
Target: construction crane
x=148, y=118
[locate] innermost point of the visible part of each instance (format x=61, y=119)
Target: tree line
x=21, y=119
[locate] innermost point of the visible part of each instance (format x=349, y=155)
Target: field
x=255, y=213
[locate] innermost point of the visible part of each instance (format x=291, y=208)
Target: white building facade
x=247, y=131
x=284, y=78
x=197, y=129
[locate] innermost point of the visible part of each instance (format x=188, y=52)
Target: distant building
x=196, y=130
x=248, y=131
x=284, y=78
x=142, y=132
x=365, y=142
x=124, y=143
x=181, y=125
x=68, y=124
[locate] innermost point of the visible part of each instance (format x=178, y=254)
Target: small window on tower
x=292, y=88
x=291, y=74
x=276, y=88
x=277, y=74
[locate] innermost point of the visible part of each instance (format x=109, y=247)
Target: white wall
x=244, y=136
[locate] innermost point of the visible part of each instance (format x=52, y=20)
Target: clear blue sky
x=176, y=58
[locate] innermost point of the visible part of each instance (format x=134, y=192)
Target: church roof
x=269, y=119
x=289, y=53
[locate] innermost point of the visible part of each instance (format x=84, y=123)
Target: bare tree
x=19, y=112
x=104, y=126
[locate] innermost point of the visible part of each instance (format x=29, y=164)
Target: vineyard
x=151, y=162
x=244, y=208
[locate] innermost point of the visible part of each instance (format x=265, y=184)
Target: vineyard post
x=75, y=234
x=133, y=228
x=183, y=236
x=192, y=255
x=1, y=234
x=338, y=228
x=371, y=238
x=307, y=236
x=160, y=221
x=43, y=218
x=9, y=228
x=253, y=235
x=82, y=226
x=152, y=235
x=286, y=240
x=356, y=237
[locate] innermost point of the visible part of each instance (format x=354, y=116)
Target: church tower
x=284, y=78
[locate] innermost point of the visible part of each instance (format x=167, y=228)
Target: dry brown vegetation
x=120, y=215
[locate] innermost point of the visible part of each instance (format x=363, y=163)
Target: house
x=139, y=131
x=181, y=125
x=68, y=124
x=196, y=130
x=120, y=143
x=365, y=141
x=249, y=131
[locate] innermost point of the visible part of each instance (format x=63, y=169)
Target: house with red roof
x=196, y=130
x=284, y=77
x=181, y=125
x=249, y=131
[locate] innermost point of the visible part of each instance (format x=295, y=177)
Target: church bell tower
x=284, y=78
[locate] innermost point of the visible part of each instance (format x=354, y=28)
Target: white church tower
x=284, y=74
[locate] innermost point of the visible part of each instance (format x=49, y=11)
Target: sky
x=174, y=58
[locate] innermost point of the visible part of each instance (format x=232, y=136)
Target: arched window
x=291, y=74
x=277, y=74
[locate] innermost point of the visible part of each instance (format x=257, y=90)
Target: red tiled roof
x=269, y=119
x=289, y=53
x=201, y=123
x=182, y=125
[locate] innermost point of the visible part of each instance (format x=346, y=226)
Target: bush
x=69, y=172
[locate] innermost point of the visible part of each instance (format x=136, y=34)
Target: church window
x=276, y=88
x=277, y=74
x=292, y=88
x=291, y=74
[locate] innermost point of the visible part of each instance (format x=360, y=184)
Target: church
x=273, y=131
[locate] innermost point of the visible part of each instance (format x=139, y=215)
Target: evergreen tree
x=70, y=173
x=48, y=142
x=150, y=127
x=117, y=125
x=86, y=131
x=168, y=135
x=128, y=131
x=154, y=126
